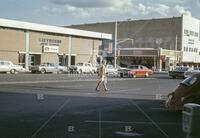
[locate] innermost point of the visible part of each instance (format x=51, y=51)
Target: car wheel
x=12, y=71
x=173, y=77
x=43, y=71
x=121, y=75
x=146, y=74
x=80, y=71
x=33, y=71
x=93, y=71
x=60, y=71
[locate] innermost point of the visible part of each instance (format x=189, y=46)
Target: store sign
x=50, y=42
x=50, y=49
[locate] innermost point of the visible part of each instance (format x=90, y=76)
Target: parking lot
x=67, y=106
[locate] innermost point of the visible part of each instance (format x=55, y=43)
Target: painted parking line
x=50, y=118
x=136, y=123
x=150, y=119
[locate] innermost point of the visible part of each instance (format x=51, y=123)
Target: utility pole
x=115, y=48
x=175, y=60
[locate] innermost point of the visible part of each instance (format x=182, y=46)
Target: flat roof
x=52, y=29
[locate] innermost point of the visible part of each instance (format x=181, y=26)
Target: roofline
x=27, y=26
x=129, y=20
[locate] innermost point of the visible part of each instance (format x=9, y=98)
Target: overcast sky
x=68, y=12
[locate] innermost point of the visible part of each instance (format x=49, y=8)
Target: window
x=186, y=32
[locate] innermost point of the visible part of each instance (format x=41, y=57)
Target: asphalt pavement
x=67, y=106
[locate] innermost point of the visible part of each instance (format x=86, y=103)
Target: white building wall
x=190, y=40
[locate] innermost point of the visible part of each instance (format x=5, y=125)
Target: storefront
x=29, y=44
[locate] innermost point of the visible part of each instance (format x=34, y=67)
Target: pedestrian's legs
x=104, y=85
x=98, y=86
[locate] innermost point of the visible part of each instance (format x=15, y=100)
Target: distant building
x=160, y=44
x=30, y=44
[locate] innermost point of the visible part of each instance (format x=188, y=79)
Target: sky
x=72, y=12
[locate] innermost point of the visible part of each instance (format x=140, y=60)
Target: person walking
x=102, y=76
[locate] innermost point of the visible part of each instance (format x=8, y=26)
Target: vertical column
x=154, y=63
x=93, y=60
x=69, y=50
x=115, y=48
x=27, y=51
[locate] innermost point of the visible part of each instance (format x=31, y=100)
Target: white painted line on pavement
x=147, y=116
x=50, y=118
x=137, y=123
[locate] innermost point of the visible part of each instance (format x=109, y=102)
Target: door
x=31, y=60
x=73, y=60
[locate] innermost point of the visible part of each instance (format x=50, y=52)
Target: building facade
x=161, y=44
x=30, y=44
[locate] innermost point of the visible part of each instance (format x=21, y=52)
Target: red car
x=136, y=71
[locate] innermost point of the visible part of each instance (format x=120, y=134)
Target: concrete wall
x=190, y=40
x=11, y=42
x=86, y=50
x=143, y=32
x=36, y=46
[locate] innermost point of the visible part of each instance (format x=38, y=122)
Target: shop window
x=21, y=60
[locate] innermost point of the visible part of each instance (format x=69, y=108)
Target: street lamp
x=115, y=48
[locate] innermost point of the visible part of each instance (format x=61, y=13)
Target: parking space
x=27, y=115
x=63, y=106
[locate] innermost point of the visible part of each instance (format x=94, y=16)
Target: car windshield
x=181, y=69
x=133, y=67
x=189, y=81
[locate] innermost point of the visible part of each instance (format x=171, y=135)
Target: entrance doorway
x=63, y=60
x=34, y=59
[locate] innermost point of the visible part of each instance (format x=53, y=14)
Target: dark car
x=178, y=72
x=188, y=91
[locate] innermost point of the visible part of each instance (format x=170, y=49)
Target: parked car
x=188, y=91
x=48, y=68
x=111, y=70
x=135, y=71
x=84, y=68
x=178, y=72
x=8, y=66
x=191, y=72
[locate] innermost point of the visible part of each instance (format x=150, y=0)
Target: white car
x=111, y=70
x=191, y=72
x=8, y=66
x=85, y=68
x=48, y=68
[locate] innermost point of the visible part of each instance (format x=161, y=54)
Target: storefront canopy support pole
x=69, y=50
x=27, y=51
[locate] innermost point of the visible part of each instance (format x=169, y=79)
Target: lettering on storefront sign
x=50, y=42
x=50, y=49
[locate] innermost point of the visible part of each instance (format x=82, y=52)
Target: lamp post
x=115, y=48
x=175, y=60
